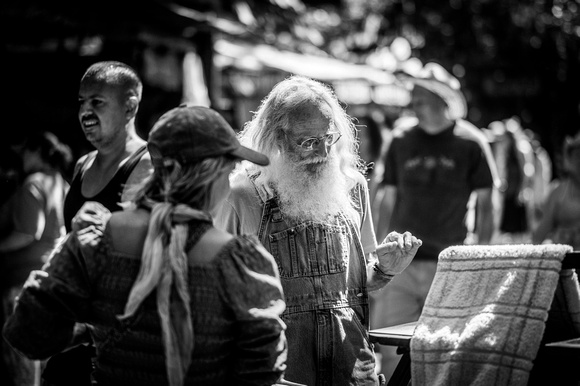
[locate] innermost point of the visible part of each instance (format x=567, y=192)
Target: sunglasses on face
x=313, y=142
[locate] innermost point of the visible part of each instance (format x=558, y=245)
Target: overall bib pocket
x=310, y=249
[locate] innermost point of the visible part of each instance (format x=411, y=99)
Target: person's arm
x=241, y=212
x=388, y=191
x=484, y=218
x=387, y=195
x=393, y=255
x=50, y=303
x=252, y=287
x=546, y=224
x=376, y=279
x=29, y=219
x=226, y=218
x=483, y=178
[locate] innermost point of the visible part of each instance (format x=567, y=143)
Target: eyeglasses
x=329, y=140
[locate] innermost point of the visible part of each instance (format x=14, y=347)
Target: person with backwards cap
x=171, y=299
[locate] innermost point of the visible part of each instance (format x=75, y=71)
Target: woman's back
x=235, y=300
x=224, y=288
x=170, y=300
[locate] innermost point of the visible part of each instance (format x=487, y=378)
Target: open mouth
x=89, y=122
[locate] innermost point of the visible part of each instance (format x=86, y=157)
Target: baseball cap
x=434, y=78
x=192, y=133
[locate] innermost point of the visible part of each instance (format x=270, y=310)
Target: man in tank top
x=109, y=97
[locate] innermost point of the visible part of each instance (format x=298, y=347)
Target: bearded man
x=310, y=209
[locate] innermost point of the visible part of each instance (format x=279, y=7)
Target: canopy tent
x=353, y=83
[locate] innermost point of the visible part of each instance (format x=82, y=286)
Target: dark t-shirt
x=434, y=176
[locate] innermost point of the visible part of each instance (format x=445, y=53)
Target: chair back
x=484, y=317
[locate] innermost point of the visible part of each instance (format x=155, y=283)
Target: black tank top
x=109, y=196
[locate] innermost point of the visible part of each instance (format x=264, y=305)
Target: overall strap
x=274, y=209
x=270, y=204
x=264, y=192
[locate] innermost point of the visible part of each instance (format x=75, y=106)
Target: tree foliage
x=514, y=57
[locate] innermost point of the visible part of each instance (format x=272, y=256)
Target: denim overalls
x=323, y=272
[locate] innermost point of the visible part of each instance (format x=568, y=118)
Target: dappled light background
x=513, y=59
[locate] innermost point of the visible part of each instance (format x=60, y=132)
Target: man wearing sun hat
x=432, y=167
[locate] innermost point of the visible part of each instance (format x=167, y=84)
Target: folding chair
x=559, y=348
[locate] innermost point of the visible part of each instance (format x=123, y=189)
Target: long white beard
x=315, y=191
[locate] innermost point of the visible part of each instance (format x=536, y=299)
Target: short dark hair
x=115, y=74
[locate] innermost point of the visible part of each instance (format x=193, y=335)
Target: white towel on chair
x=485, y=314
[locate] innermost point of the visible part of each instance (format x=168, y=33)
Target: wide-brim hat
x=434, y=78
x=192, y=133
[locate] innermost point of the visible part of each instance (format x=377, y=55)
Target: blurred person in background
x=510, y=215
x=310, y=208
x=10, y=178
x=171, y=299
x=370, y=137
x=433, y=166
x=542, y=179
x=560, y=221
x=10, y=172
x=525, y=181
x=32, y=222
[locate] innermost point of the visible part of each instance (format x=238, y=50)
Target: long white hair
x=265, y=132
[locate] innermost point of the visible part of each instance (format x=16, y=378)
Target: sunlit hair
x=115, y=74
x=188, y=184
x=176, y=193
x=265, y=132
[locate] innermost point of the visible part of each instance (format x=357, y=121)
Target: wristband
x=381, y=272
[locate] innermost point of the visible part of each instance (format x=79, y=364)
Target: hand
x=92, y=213
x=396, y=252
x=34, y=279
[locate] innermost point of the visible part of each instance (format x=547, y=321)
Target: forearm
x=36, y=332
x=484, y=227
x=376, y=279
x=390, y=258
x=262, y=351
x=387, y=198
x=51, y=301
x=541, y=232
